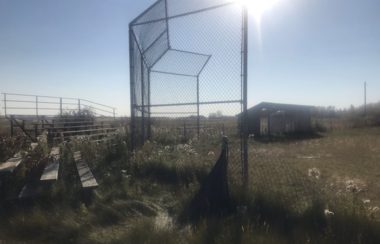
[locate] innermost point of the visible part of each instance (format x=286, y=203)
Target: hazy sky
x=315, y=52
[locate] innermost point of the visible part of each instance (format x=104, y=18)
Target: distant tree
x=217, y=114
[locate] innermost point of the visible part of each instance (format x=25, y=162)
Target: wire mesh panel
x=188, y=76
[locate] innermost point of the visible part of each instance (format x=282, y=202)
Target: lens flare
x=257, y=7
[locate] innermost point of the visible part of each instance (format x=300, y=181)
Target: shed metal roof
x=279, y=106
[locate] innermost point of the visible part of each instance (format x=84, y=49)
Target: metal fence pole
x=37, y=106
x=149, y=119
x=60, y=106
x=167, y=22
x=143, y=102
x=5, y=104
x=184, y=131
x=12, y=132
x=114, y=114
x=79, y=105
x=198, y=119
x=132, y=89
x=245, y=96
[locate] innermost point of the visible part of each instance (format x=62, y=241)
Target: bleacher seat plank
x=89, y=130
x=33, y=145
x=51, y=170
x=86, y=177
x=10, y=165
x=73, y=127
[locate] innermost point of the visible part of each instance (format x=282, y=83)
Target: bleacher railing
x=35, y=105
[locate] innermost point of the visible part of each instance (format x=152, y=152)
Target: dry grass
x=345, y=161
x=142, y=194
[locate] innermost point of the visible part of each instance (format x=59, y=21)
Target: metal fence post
x=245, y=96
x=114, y=114
x=198, y=119
x=37, y=106
x=5, y=104
x=149, y=119
x=12, y=132
x=132, y=89
x=184, y=131
x=79, y=105
x=143, y=103
x=60, y=106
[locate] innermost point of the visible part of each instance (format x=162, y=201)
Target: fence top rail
x=99, y=104
x=11, y=99
x=52, y=97
x=133, y=23
x=29, y=101
x=30, y=95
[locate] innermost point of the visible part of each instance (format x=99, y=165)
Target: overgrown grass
x=141, y=195
x=9, y=146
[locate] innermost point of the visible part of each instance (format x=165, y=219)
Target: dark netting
x=187, y=77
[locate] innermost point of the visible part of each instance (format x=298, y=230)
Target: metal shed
x=271, y=119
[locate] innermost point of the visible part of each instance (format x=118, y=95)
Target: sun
x=257, y=7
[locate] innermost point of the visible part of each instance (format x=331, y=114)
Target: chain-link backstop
x=188, y=76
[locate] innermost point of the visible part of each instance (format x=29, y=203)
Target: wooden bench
x=10, y=165
x=33, y=145
x=86, y=132
x=73, y=127
x=86, y=177
x=50, y=173
x=51, y=170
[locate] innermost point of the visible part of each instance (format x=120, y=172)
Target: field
x=317, y=190
x=330, y=166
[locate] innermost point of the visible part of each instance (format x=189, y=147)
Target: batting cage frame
x=188, y=58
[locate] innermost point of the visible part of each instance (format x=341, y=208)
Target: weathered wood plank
x=51, y=170
x=87, y=178
x=10, y=165
x=89, y=130
x=86, y=136
x=73, y=127
x=33, y=145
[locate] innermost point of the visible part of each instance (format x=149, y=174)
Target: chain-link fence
x=189, y=77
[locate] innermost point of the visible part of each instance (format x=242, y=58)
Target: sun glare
x=257, y=7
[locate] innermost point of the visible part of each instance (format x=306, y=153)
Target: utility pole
x=365, y=98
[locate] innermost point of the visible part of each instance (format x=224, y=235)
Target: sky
x=314, y=52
